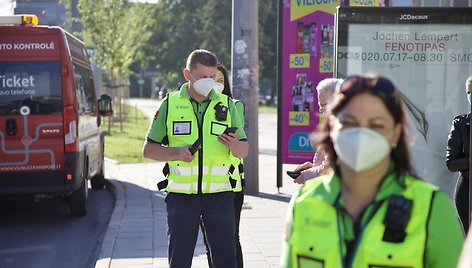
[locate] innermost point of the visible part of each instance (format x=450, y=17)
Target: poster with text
x=427, y=52
x=307, y=46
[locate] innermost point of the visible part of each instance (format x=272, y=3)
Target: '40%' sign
x=299, y=119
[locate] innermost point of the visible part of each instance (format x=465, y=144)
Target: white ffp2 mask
x=361, y=148
x=218, y=87
x=203, y=86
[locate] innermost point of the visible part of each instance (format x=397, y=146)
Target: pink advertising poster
x=306, y=58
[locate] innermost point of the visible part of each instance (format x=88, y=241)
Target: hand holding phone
x=195, y=146
x=294, y=174
x=230, y=130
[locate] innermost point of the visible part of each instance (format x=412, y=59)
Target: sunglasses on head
x=376, y=84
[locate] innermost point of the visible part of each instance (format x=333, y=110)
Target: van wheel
x=98, y=181
x=78, y=200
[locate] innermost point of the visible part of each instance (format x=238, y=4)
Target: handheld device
x=195, y=146
x=230, y=130
x=294, y=174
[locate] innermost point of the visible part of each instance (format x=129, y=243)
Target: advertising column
x=307, y=57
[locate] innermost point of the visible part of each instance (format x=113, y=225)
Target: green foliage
x=184, y=25
x=139, y=36
x=117, y=30
x=267, y=44
x=216, y=29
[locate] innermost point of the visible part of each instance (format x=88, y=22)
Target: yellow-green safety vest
x=209, y=172
x=238, y=174
x=316, y=243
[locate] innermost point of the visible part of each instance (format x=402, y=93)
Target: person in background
x=222, y=80
x=370, y=210
x=457, y=158
x=199, y=181
x=326, y=89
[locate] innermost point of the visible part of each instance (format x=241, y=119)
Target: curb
x=106, y=251
x=114, y=162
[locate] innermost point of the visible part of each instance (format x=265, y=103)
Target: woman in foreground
x=369, y=209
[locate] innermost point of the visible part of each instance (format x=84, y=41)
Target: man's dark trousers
x=184, y=214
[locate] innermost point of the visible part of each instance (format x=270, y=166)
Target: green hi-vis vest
x=315, y=241
x=238, y=174
x=210, y=171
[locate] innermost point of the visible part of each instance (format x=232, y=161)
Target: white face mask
x=203, y=86
x=218, y=87
x=361, y=148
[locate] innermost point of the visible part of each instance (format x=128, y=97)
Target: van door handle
x=11, y=126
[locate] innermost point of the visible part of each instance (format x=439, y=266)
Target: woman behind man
x=370, y=210
x=223, y=87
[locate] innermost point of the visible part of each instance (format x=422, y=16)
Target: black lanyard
x=358, y=238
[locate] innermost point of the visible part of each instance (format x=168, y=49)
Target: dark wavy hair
x=227, y=88
x=390, y=96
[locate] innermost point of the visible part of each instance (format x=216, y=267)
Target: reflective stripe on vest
x=183, y=130
x=239, y=186
x=187, y=171
x=237, y=175
x=315, y=241
x=187, y=187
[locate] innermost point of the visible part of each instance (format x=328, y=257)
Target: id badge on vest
x=307, y=262
x=181, y=128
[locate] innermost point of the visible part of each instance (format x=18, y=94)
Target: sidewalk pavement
x=136, y=235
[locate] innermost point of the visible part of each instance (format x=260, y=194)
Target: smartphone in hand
x=230, y=130
x=294, y=174
x=195, y=146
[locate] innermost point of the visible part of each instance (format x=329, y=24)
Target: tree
x=117, y=30
x=188, y=24
x=184, y=25
x=268, y=45
x=139, y=36
x=177, y=31
x=216, y=29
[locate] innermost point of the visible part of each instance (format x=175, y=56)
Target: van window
x=33, y=84
x=85, y=91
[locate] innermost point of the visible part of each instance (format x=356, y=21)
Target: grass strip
x=126, y=146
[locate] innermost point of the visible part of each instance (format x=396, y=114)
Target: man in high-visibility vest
x=201, y=178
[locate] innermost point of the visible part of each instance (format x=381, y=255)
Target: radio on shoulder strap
x=397, y=218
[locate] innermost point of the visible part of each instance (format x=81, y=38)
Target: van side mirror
x=105, y=105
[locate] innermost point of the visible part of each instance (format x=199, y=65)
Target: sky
x=5, y=7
